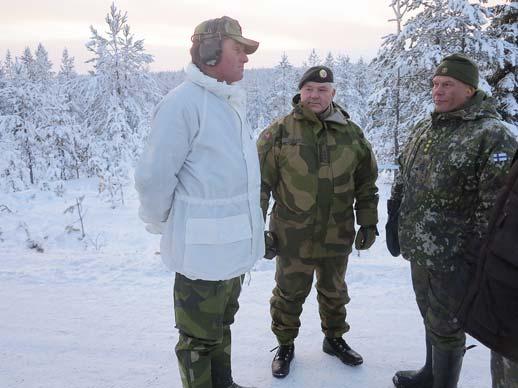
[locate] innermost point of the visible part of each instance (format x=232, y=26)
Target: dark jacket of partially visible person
x=489, y=311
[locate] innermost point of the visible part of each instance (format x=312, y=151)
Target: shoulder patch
x=500, y=157
x=265, y=141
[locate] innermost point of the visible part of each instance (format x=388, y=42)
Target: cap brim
x=250, y=45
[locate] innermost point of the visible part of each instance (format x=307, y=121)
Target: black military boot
x=282, y=360
x=422, y=378
x=339, y=348
x=446, y=367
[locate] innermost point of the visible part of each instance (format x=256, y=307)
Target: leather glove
x=365, y=237
x=391, y=229
x=271, y=245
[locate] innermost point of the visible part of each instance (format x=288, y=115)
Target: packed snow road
x=97, y=312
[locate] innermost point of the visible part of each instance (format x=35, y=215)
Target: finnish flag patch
x=500, y=157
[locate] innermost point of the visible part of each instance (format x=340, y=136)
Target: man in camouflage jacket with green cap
x=450, y=173
x=318, y=166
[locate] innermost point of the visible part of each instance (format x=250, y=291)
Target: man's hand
x=365, y=237
x=270, y=244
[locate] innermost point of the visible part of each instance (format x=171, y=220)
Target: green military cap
x=318, y=74
x=224, y=26
x=460, y=67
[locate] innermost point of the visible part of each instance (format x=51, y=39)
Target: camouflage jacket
x=450, y=173
x=316, y=171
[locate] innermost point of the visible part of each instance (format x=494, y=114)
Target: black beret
x=318, y=74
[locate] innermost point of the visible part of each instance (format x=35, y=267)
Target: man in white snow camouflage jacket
x=199, y=185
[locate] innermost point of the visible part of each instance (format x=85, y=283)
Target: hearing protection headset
x=211, y=42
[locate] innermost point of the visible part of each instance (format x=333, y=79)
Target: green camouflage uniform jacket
x=316, y=170
x=450, y=173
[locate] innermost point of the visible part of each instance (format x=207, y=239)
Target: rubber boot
x=422, y=378
x=446, y=367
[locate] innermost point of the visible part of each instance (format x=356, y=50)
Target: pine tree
x=330, y=61
x=284, y=87
x=123, y=96
x=8, y=66
x=313, y=59
x=385, y=103
x=67, y=69
x=28, y=66
x=42, y=65
x=344, y=82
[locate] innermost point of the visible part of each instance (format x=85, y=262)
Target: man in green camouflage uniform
x=317, y=164
x=450, y=173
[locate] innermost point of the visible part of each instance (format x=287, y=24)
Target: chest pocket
x=452, y=171
x=296, y=156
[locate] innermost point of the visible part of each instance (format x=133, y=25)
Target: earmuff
x=211, y=43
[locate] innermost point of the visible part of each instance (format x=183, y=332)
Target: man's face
x=449, y=94
x=317, y=96
x=231, y=65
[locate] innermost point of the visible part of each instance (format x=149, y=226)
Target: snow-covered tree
x=67, y=68
x=351, y=88
x=330, y=61
x=28, y=67
x=22, y=119
x=123, y=95
x=313, y=59
x=284, y=87
x=503, y=77
x=7, y=66
x=42, y=65
x=343, y=81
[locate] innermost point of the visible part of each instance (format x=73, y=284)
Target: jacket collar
x=233, y=93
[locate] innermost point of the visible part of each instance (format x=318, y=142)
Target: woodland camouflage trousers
x=294, y=277
x=204, y=311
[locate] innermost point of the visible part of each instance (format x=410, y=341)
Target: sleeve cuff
x=366, y=217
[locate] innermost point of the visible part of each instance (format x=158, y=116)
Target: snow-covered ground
x=97, y=312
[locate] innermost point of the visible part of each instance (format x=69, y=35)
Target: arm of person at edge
x=492, y=176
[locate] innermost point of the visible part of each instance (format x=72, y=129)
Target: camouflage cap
x=318, y=74
x=460, y=67
x=224, y=26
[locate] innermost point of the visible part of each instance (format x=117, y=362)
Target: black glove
x=391, y=229
x=365, y=237
x=271, y=245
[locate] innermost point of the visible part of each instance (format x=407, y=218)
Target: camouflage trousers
x=504, y=372
x=294, y=277
x=438, y=296
x=204, y=311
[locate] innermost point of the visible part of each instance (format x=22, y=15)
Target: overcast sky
x=352, y=27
